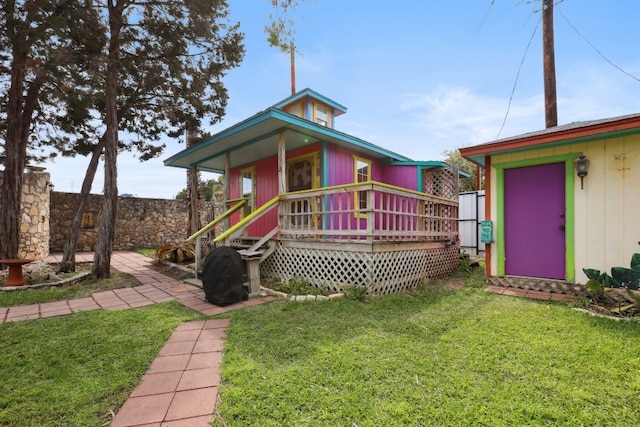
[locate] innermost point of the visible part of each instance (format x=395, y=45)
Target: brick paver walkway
x=526, y=293
x=181, y=386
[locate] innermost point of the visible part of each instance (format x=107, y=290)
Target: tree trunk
x=68, y=262
x=20, y=108
x=194, y=201
x=107, y=222
x=13, y=169
x=193, y=189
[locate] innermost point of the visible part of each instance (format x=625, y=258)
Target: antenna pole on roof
x=293, y=67
x=549, y=65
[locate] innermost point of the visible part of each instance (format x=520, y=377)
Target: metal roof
x=570, y=133
x=256, y=138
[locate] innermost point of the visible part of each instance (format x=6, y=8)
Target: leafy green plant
x=355, y=292
x=621, y=277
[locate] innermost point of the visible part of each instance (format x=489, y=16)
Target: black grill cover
x=222, y=277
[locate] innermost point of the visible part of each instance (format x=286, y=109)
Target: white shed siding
x=607, y=211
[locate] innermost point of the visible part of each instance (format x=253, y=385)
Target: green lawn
x=433, y=358
x=77, y=370
x=81, y=289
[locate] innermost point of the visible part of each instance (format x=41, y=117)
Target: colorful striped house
x=335, y=209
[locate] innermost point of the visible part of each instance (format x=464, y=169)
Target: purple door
x=534, y=221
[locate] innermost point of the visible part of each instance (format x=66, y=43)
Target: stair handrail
x=248, y=220
x=218, y=219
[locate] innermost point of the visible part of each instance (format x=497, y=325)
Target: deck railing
x=368, y=212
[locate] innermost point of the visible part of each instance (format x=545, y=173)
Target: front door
x=300, y=177
x=534, y=221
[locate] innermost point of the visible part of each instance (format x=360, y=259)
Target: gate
x=471, y=214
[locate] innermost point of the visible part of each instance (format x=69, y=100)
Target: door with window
x=300, y=176
x=534, y=221
x=362, y=173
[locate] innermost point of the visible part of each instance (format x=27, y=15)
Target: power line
x=595, y=48
x=515, y=83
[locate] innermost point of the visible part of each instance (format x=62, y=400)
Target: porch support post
x=282, y=178
x=282, y=165
x=226, y=188
x=227, y=172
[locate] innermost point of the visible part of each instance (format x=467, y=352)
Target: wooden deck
x=385, y=238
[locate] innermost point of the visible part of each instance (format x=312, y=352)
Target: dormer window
x=322, y=115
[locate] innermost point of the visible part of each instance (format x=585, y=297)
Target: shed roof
x=571, y=133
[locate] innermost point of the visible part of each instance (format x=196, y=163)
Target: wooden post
x=549, y=65
x=371, y=214
x=282, y=164
x=292, y=53
x=487, y=210
x=282, y=176
x=226, y=190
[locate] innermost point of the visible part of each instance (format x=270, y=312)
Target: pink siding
x=340, y=170
x=266, y=189
x=401, y=176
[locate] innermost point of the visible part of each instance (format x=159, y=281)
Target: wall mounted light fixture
x=582, y=168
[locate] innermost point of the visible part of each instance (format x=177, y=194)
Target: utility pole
x=292, y=54
x=549, y=65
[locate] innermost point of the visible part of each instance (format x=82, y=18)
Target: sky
x=417, y=77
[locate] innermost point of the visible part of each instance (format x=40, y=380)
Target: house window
x=247, y=186
x=301, y=172
x=362, y=173
x=322, y=115
x=295, y=109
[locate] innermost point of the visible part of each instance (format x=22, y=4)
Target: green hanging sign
x=486, y=231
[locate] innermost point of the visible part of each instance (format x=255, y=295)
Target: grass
x=81, y=289
x=77, y=370
x=433, y=357
x=295, y=286
x=148, y=252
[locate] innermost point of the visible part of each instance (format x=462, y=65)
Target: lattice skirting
x=380, y=272
x=539, y=284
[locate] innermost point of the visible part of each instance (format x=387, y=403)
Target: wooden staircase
x=253, y=252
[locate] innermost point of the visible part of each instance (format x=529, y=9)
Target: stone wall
x=34, y=223
x=140, y=223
